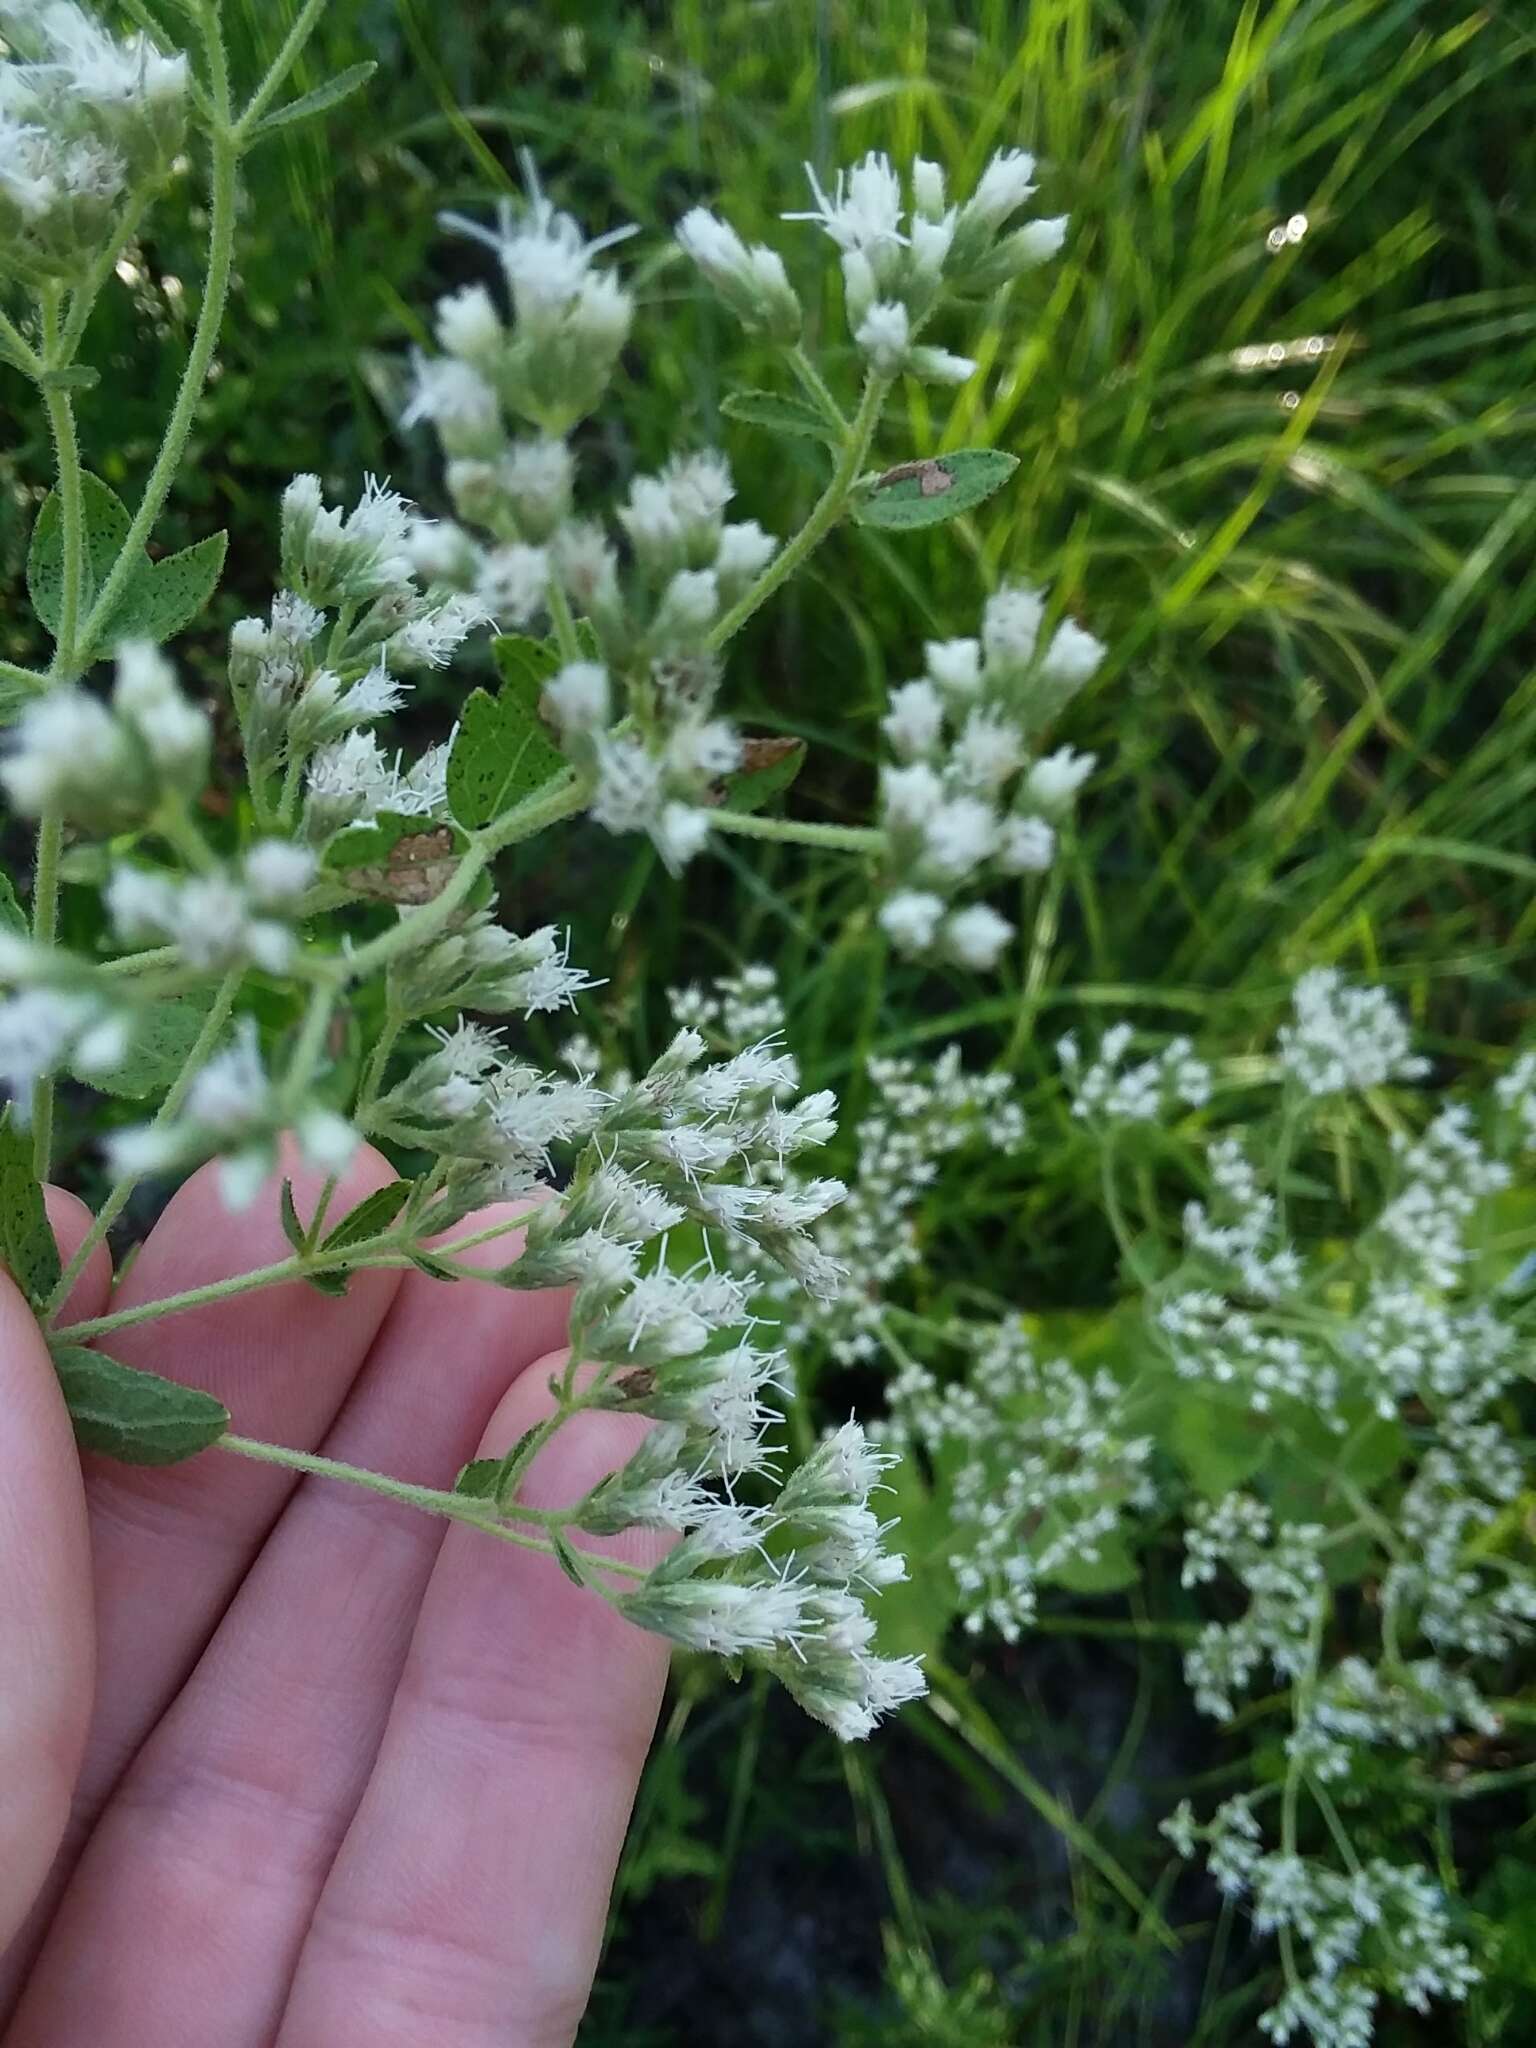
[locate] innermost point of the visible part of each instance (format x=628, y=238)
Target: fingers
x=45, y=1613
x=187, y=1913
x=466, y=1906
x=170, y=1546
x=46, y=1640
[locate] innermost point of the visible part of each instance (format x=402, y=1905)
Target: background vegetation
x=1275, y=419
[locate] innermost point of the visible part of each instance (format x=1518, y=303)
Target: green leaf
x=488, y=1478
x=106, y=523
x=780, y=415
x=160, y=597
x=1219, y=1446
x=136, y=1417
x=370, y=845
x=12, y=917
x=769, y=766
x=1110, y=1571
x=924, y=493
x=293, y=1229
x=164, y=1033
x=165, y=596
x=501, y=755
x=526, y=664
x=566, y=1558
x=480, y=1479
x=373, y=1213
x=330, y=94
x=14, y=698
x=914, y=1616
x=26, y=1236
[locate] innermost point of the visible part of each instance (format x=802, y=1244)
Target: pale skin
x=283, y=1764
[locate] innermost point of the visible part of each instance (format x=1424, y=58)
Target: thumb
x=46, y=1629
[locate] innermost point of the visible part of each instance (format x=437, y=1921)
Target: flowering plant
x=316, y=955
x=1313, y=1390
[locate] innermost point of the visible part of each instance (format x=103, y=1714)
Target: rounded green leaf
x=26, y=1236
x=106, y=523
x=926, y=493
x=136, y=1417
x=500, y=756
x=778, y=414
x=163, y=597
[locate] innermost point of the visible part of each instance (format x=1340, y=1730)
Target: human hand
x=351, y=1775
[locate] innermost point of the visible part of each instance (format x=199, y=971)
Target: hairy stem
x=563, y=622
x=305, y=23
x=815, y=386
x=21, y=352
x=560, y=798
x=221, y=232
x=792, y=831
x=454, y=1507
x=824, y=515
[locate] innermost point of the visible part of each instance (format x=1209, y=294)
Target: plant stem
x=814, y=383
x=175, y=1096
x=453, y=1507
x=24, y=678
x=86, y=293
x=377, y=1067
x=194, y=1297
x=558, y=799
x=793, y=831
x=221, y=231
x=61, y=419
x=564, y=624
x=824, y=515
x=15, y=344
x=305, y=23
x=310, y=1044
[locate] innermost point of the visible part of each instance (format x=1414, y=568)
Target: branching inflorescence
x=348, y=879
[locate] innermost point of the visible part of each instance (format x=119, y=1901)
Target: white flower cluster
x=635, y=712
x=306, y=686
x=1246, y=1313
x=1221, y=1321
x=1048, y=1470
x=552, y=364
x=217, y=919
x=1378, y=1929
x=903, y=255
x=1107, y=1090
x=110, y=766
x=1410, y=1707
x=53, y=1015
x=962, y=800
x=88, y=120
x=478, y=964
x=1445, y=1176
x=921, y=1113
x=661, y=773
x=802, y=1615
x=235, y=1112
x=1456, y=1599
x=1345, y=1037
x=1280, y=1567
x=701, y=1143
